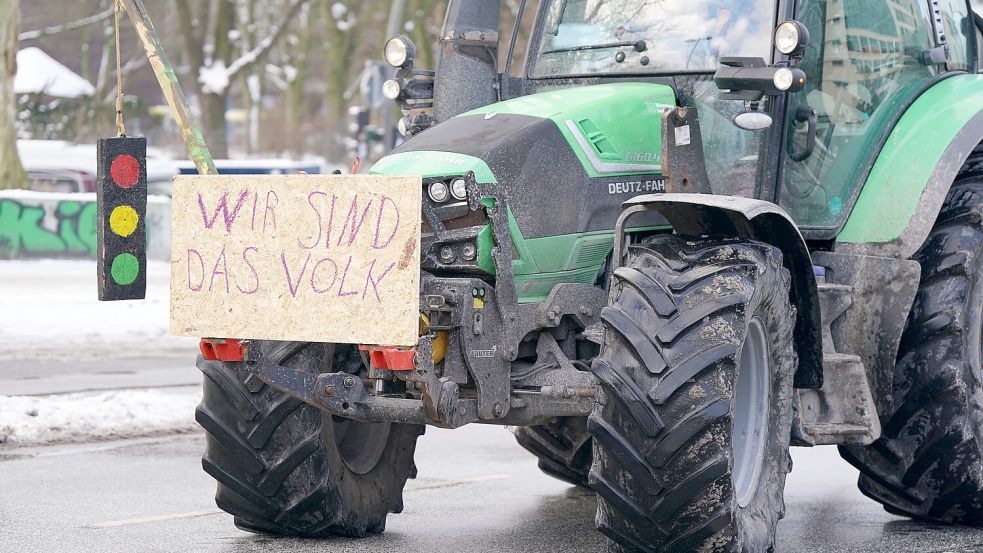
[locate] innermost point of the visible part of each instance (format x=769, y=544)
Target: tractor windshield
x=649, y=36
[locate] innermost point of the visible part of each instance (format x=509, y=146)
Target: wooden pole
x=170, y=86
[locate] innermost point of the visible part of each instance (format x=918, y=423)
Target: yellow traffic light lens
x=123, y=220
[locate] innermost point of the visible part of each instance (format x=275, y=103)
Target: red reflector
x=390, y=357
x=214, y=349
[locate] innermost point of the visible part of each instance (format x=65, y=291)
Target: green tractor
x=679, y=238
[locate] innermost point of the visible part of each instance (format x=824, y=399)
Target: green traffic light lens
x=125, y=269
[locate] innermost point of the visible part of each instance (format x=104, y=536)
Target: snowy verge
x=49, y=310
x=86, y=417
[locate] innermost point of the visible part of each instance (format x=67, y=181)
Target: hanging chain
x=120, y=125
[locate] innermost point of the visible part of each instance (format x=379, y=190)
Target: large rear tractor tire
x=563, y=447
x=928, y=462
x=286, y=467
x=691, y=442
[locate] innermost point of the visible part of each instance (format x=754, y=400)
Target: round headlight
x=398, y=51
x=401, y=126
x=469, y=251
x=783, y=78
x=391, y=89
x=791, y=37
x=459, y=189
x=438, y=192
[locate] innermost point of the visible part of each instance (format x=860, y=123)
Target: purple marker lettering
x=270, y=208
x=341, y=287
x=320, y=227
x=334, y=275
x=354, y=220
x=327, y=237
x=290, y=283
x=252, y=224
x=224, y=272
x=201, y=263
x=375, y=283
x=251, y=268
x=378, y=223
x=223, y=206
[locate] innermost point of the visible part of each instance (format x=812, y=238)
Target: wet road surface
x=476, y=492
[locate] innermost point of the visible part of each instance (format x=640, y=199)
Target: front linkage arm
x=339, y=393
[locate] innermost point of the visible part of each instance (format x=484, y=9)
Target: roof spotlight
x=791, y=38
x=399, y=51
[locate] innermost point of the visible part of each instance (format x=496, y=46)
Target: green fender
x=909, y=181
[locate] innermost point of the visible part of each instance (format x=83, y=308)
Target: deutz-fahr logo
x=637, y=186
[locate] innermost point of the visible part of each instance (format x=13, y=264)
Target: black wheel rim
x=360, y=444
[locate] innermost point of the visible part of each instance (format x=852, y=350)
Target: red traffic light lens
x=125, y=170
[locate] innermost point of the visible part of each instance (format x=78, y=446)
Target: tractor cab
x=863, y=63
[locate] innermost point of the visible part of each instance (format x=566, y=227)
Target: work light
x=791, y=38
x=391, y=89
x=399, y=51
x=784, y=78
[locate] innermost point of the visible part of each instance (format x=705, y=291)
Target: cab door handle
x=803, y=114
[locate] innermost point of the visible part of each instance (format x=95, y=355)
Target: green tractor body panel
x=566, y=159
x=597, y=122
x=432, y=164
x=919, y=145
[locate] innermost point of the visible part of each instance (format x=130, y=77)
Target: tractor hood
x=566, y=158
x=612, y=129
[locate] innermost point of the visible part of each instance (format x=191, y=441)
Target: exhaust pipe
x=467, y=69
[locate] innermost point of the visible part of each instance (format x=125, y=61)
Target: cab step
x=843, y=410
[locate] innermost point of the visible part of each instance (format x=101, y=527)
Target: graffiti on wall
x=65, y=228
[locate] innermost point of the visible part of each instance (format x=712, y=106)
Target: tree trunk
x=296, y=104
x=11, y=171
x=213, y=123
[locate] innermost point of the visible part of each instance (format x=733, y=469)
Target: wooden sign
x=299, y=257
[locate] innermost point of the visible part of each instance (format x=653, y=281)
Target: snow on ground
x=49, y=310
x=40, y=420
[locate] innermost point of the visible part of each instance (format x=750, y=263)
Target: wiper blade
x=638, y=45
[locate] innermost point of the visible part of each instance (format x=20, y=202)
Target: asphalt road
x=28, y=377
x=476, y=492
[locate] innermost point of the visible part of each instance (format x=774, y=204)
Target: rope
x=120, y=125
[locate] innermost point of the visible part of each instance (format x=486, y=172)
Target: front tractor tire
x=285, y=467
x=691, y=442
x=928, y=462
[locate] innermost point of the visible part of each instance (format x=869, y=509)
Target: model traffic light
x=121, y=197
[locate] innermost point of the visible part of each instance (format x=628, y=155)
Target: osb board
x=298, y=257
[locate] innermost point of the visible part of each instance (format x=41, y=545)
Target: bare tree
x=205, y=27
x=294, y=66
x=70, y=26
x=11, y=171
